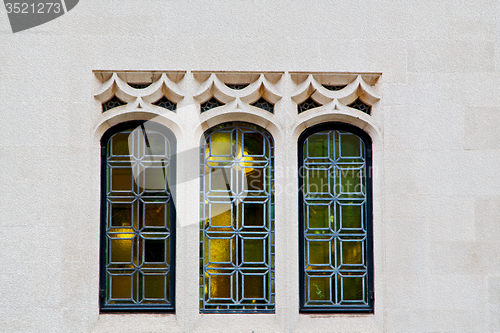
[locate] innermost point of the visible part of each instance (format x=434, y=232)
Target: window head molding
x=335, y=219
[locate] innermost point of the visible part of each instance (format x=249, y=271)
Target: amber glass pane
x=121, y=286
x=120, y=144
x=220, y=286
x=155, y=179
x=254, y=286
x=319, y=216
x=221, y=215
x=255, y=179
x=156, y=144
x=155, y=215
x=319, y=288
x=121, y=179
x=154, y=286
x=319, y=252
x=121, y=250
x=121, y=215
x=220, y=143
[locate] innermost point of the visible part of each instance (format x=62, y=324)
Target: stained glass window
x=264, y=105
x=237, y=220
x=359, y=105
x=112, y=103
x=335, y=215
x=138, y=218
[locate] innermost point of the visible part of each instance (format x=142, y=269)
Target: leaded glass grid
x=166, y=104
x=210, y=104
x=237, y=220
x=138, y=219
x=308, y=104
x=264, y=105
x=237, y=86
x=334, y=222
x=112, y=103
x=359, y=105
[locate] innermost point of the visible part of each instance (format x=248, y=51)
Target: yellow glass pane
x=121, y=215
x=254, y=179
x=119, y=144
x=220, y=143
x=254, y=286
x=317, y=180
x=319, y=288
x=220, y=250
x=155, y=214
x=349, y=145
x=352, y=288
x=318, y=216
x=121, y=250
x=121, y=179
x=121, y=286
x=220, y=215
x=220, y=286
x=352, y=253
x=253, y=250
x=154, y=286
x=319, y=252
x=351, y=216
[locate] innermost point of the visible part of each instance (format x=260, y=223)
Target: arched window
x=336, y=264
x=237, y=219
x=138, y=217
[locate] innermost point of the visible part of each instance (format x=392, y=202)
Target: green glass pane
x=121, y=250
x=154, y=250
x=154, y=286
x=254, y=286
x=220, y=250
x=155, y=214
x=220, y=286
x=352, y=253
x=156, y=144
x=319, y=288
x=349, y=145
x=253, y=214
x=253, y=250
x=317, y=180
x=121, y=179
x=351, y=180
x=352, y=288
x=121, y=215
x=121, y=286
x=220, y=143
x=253, y=144
x=119, y=144
x=318, y=216
x=317, y=145
x=351, y=216
x=319, y=252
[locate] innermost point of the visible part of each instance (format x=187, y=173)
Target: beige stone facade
x=430, y=71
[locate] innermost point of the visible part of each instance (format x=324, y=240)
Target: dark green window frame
x=138, y=236
x=336, y=254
